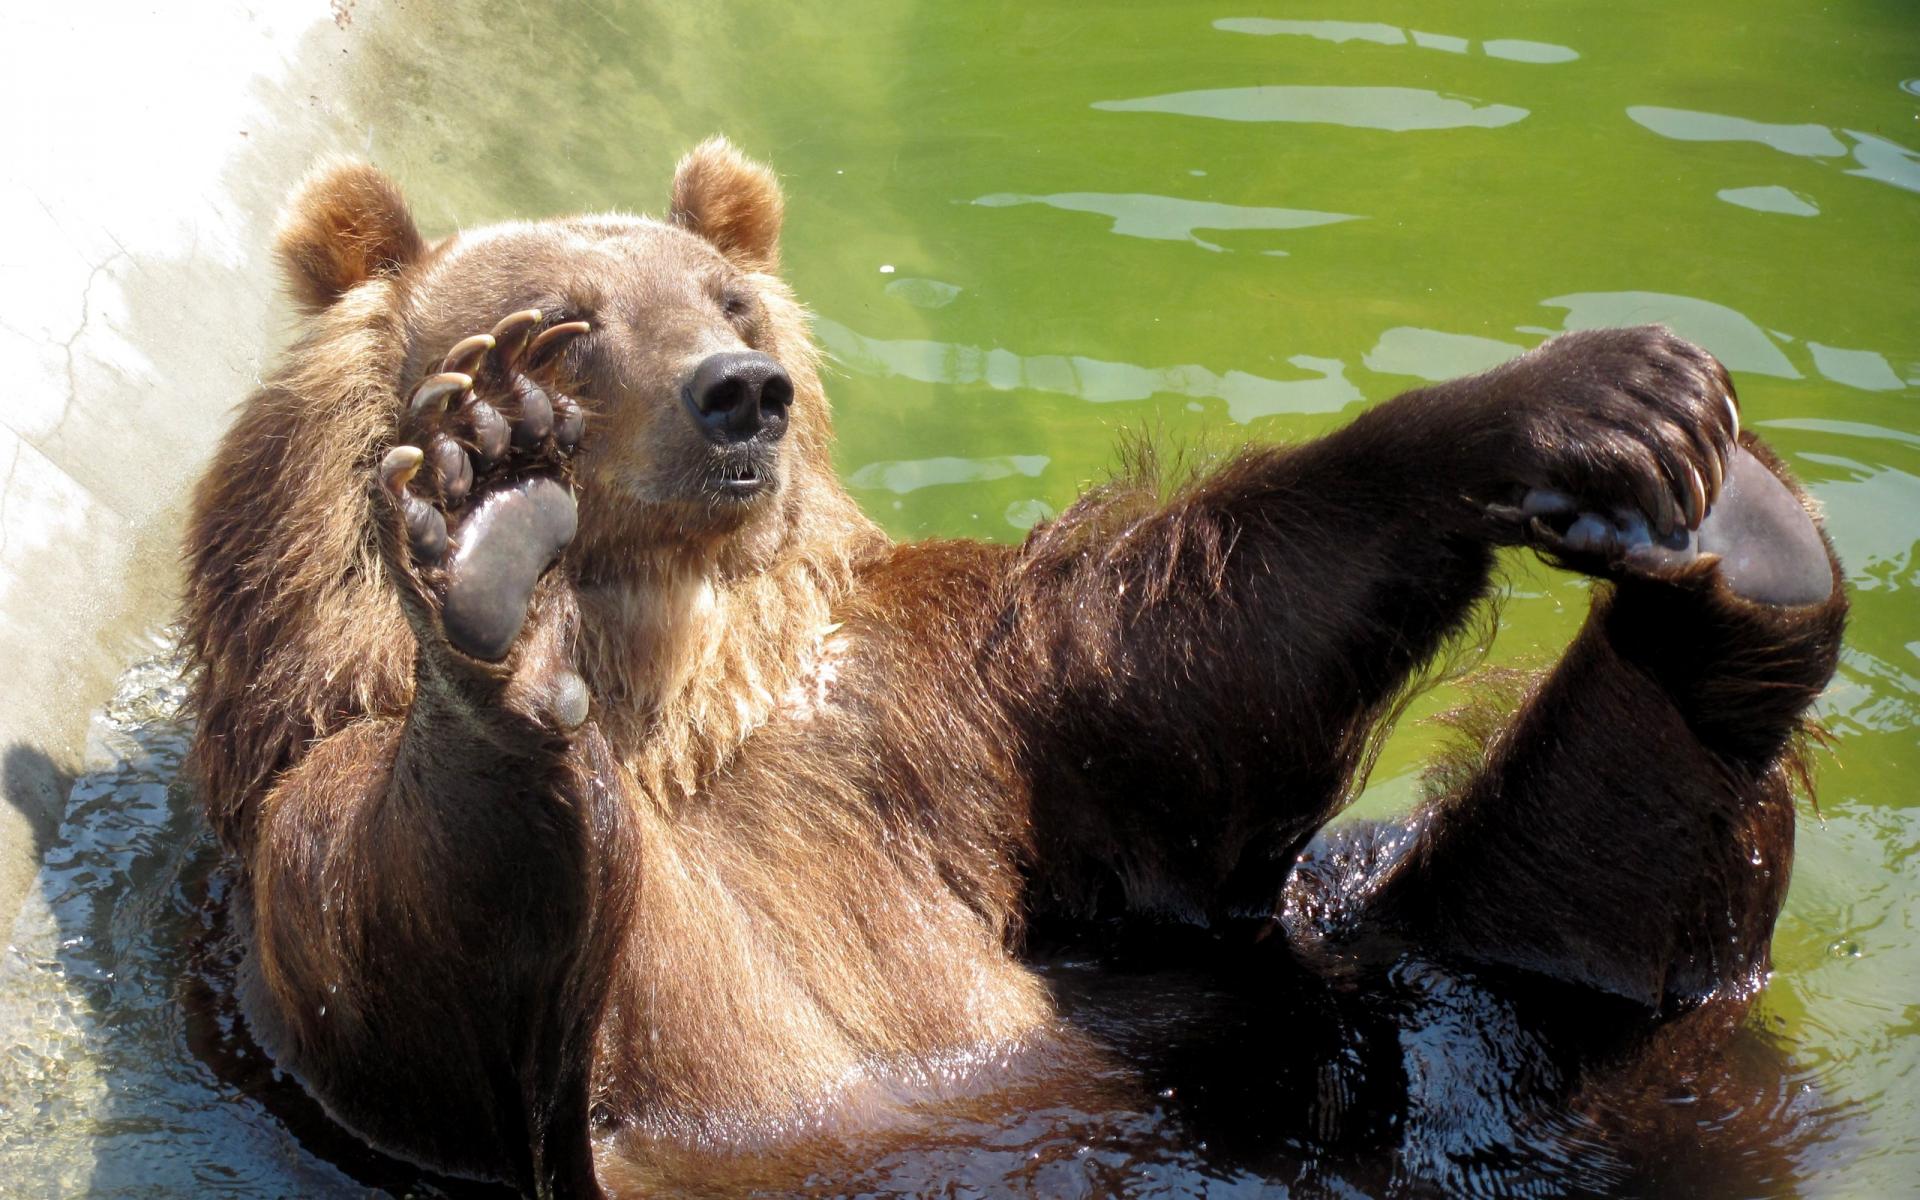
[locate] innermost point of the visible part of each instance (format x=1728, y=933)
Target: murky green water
x=1027, y=227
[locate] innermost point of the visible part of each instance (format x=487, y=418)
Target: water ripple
x=1169, y=218
x=1098, y=380
x=1339, y=32
x=1395, y=109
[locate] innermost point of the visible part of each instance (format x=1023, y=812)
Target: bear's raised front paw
x=1625, y=420
x=479, y=479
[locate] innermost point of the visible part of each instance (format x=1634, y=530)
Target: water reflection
x=1169, y=218
x=1879, y=159
x=1806, y=141
x=1327, y=31
x=1875, y=505
x=1867, y=370
x=1431, y=354
x=1734, y=338
x=1247, y=396
x=1520, y=50
x=924, y=293
x=1396, y=109
x=1772, y=199
x=910, y=475
x=1512, y=49
x=1888, y=162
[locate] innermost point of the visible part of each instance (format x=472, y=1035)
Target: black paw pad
x=506, y=543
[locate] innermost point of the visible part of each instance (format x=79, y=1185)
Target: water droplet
x=1911, y=86
x=1756, y=858
x=1844, y=948
x=323, y=1010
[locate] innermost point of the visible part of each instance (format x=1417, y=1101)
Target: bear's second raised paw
x=479, y=479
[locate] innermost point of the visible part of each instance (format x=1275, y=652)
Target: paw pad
x=475, y=477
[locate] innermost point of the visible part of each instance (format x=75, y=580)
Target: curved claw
x=467, y=353
x=1696, y=497
x=1655, y=499
x=511, y=336
x=398, y=467
x=435, y=390
x=551, y=340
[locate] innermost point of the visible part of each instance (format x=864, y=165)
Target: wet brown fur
x=778, y=879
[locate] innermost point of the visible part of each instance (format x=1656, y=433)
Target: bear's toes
x=513, y=534
x=426, y=527
x=452, y=469
x=535, y=423
x=569, y=421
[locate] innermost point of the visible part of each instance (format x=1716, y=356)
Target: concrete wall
x=148, y=148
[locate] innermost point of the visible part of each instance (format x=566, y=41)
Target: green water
x=1026, y=228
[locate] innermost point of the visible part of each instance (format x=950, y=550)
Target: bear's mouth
x=742, y=477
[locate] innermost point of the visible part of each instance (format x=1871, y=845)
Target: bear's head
x=708, y=436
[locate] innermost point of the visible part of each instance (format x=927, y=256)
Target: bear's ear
x=345, y=225
x=730, y=200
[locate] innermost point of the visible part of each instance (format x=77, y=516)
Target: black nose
x=739, y=395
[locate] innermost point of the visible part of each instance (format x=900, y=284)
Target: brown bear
x=603, y=785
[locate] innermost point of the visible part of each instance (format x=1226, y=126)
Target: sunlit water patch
x=1396, y=109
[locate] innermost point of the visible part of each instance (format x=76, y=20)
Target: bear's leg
x=480, y=481
x=1631, y=829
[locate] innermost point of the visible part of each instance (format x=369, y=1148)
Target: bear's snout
x=738, y=396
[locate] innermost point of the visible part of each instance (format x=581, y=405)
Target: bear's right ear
x=346, y=224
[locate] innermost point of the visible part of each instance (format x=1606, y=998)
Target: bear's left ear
x=730, y=200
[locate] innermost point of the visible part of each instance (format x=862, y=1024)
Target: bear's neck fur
x=687, y=656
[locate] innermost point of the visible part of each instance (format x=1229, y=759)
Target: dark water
x=1026, y=227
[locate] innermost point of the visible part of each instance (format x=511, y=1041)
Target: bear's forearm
x=428, y=906
x=1212, y=667
x=1305, y=583
x=398, y=854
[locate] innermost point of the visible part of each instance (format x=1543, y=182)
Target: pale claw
x=466, y=355
x=511, y=335
x=435, y=390
x=552, y=340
